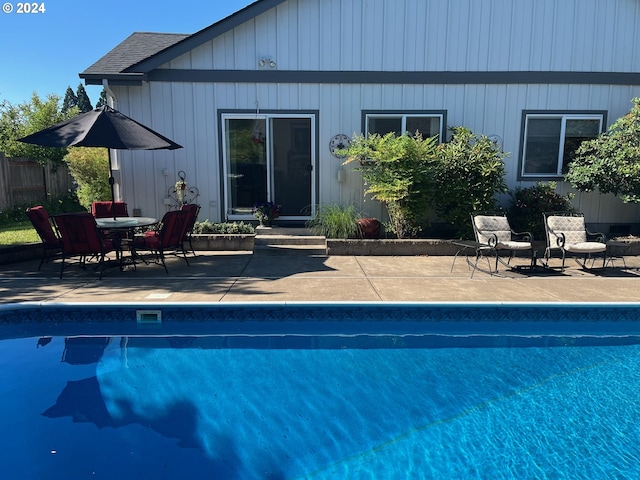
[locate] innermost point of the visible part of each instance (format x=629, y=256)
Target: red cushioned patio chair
x=104, y=209
x=168, y=240
x=50, y=239
x=82, y=239
x=192, y=215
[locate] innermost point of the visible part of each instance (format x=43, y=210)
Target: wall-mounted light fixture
x=266, y=63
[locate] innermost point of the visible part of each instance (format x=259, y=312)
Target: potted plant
x=369, y=227
x=266, y=212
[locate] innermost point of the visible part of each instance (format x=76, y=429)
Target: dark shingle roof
x=141, y=53
x=137, y=47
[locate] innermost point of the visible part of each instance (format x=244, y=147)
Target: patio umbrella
x=102, y=127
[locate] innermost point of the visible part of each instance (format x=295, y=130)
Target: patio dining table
x=124, y=227
x=125, y=223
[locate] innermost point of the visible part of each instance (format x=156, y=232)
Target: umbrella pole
x=111, y=183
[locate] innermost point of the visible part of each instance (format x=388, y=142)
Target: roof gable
x=219, y=28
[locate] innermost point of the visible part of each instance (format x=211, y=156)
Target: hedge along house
x=260, y=99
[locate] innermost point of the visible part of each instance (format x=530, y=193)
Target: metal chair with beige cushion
x=568, y=233
x=494, y=231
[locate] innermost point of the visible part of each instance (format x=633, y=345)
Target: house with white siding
x=260, y=99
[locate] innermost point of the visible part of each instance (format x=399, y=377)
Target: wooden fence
x=24, y=182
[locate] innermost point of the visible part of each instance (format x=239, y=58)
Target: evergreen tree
x=70, y=100
x=84, y=104
x=103, y=99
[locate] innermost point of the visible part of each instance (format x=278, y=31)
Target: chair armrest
x=493, y=240
x=596, y=237
x=560, y=239
x=522, y=236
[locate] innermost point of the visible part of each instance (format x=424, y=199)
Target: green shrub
x=90, y=169
x=528, y=204
x=61, y=204
x=466, y=176
x=226, y=228
x=396, y=170
x=410, y=175
x=335, y=221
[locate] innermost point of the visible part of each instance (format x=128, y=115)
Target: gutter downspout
x=111, y=97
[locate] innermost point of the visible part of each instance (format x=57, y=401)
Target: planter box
x=434, y=247
x=390, y=247
x=213, y=242
x=634, y=246
x=20, y=253
x=33, y=251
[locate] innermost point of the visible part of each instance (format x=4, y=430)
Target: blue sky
x=45, y=52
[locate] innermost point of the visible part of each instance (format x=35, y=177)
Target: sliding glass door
x=269, y=157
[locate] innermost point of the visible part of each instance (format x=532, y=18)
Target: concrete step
x=290, y=240
x=284, y=249
x=294, y=231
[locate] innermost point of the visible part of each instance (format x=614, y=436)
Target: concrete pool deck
x=231, y=276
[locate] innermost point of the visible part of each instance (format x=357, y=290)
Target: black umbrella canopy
x=102, y=127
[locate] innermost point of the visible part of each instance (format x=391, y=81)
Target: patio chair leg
x=455, y=257
x=161, y=258
x=475, y=265
x=101, y=265
x=46, y=256
x=62, y=267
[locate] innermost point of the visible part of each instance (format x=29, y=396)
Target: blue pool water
x=474, y=391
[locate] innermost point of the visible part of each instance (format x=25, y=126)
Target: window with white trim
x=551, y=140
x=428, y=124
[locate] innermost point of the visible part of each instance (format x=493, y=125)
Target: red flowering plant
x=266, y=211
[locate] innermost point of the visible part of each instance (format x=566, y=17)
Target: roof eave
x=124, y=79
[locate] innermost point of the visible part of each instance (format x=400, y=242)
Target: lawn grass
x=18, y=233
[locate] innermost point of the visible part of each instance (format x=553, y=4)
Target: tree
x=84, y=104
x=89, y=166
x=70, y=100
x=610, y=162
x=102, y=101
x=17, y=121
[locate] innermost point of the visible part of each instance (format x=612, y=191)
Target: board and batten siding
x=385, y=36
x=188, y=114
x=429, y=35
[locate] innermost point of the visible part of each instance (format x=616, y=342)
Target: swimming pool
x=320, y=391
